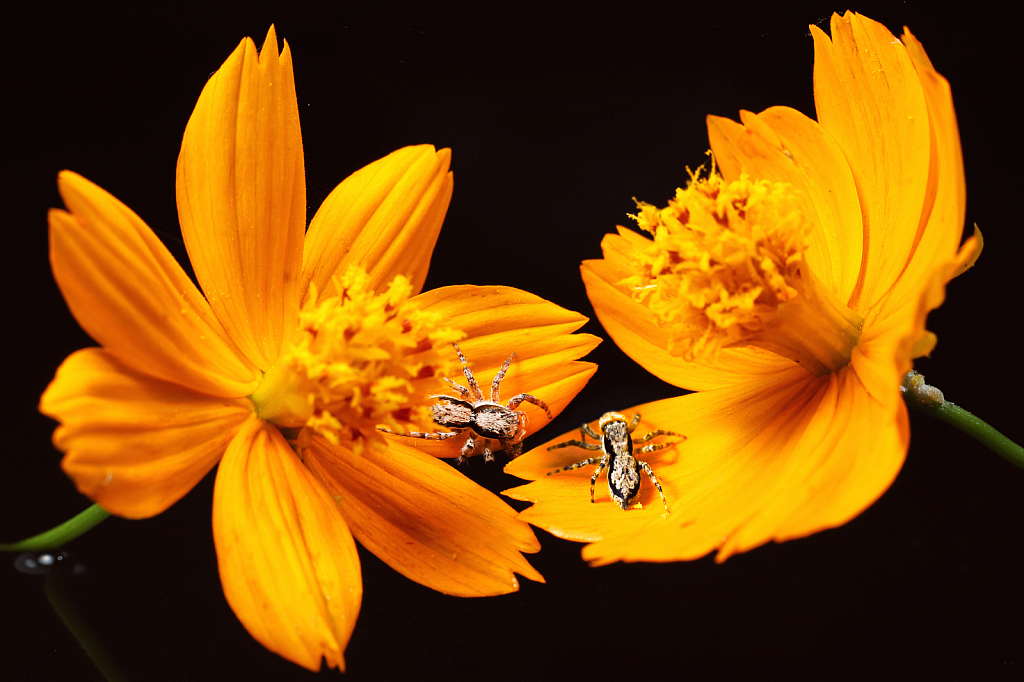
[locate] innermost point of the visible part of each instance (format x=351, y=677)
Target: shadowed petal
x=636, y=331
x=287, y=561
x=242, y=197
x=135, y=445
x=128, y=293
x=869, y=98
x=783, y=145
x=427, y=520
x=384, y=217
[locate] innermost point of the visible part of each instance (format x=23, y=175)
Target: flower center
x=352, y=365
x=727, y=269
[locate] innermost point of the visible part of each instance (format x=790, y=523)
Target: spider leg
x=513, y=448
x=436, y=435
x=593, y=479
x=585, y=430
x=654, y=434
x=488, y=455
x=632, y=424
x=656, y=446
x=467, y=449
x=498, y=377
x=576, y=443
x=527, y=398
x=470, y=379
x=657, y=484
x=577, y=465
x=463, y=391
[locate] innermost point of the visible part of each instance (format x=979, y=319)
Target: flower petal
x=869, y=98
x=783, y=145
x=499, y=321
x=242, y=197
x=128, y=293
x=287, y=560
x=636, y=331
x=426, y=520
x=135, y=445
x=937, y=245
x=384, y=217
x=772, y=461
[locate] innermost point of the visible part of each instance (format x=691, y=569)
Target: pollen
x=354, y=363
x=726, y=269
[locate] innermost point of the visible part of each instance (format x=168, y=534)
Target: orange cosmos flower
x=302, y=345
x=791, y=292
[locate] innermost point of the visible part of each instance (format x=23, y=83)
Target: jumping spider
x=487, y=420
x=617, y=445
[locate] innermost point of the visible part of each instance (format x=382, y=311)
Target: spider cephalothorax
x=616, y=442
x=486, y=420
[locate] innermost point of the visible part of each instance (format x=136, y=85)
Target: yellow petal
x=779, y=460
x=128, y=293
x=242, y=197
x=133, y=444
x=783, y=145
x=287, y=560
x=869, y=97
x=499, y=321
x=384, y=217
x=636, y=331
x=427, y=520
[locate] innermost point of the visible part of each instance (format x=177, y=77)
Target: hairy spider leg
x=527, y=398
x=654, y=480
x=655, y=434
x=655, y=446
x=470, y=379
x=497, y=379
x=632, y=425
x=577, y=443
x=601, y=463
x=463, y=391
x=435, y=435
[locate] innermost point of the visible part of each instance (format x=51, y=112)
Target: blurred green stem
x=60, y=535
x=929, y=400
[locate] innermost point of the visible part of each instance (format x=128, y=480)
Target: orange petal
x=242, y=197
x=637, y=332
x=135, y=445
x=869, y=98
x=128, y=293
x=426, y=520
x=937, y=245
x=783, y=145
x=771, y=461
x=499, y=321
x=287, y=560
x=384, y=217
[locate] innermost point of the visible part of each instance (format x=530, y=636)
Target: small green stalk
x=927, y=399
x=59, y=536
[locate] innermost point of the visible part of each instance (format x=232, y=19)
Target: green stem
x=929, y=400
x=60, y=535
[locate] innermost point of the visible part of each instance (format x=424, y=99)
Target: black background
x=557, y=117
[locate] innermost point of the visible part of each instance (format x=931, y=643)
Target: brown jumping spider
x=487, y=420
x=617, y=445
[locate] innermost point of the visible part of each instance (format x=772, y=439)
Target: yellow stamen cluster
x=353, y=363
x=727, y=269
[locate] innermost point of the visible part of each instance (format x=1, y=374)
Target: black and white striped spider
x=616, y=442
x=486, y=420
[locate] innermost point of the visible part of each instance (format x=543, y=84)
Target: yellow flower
x=303, y=344
x=791, y=293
